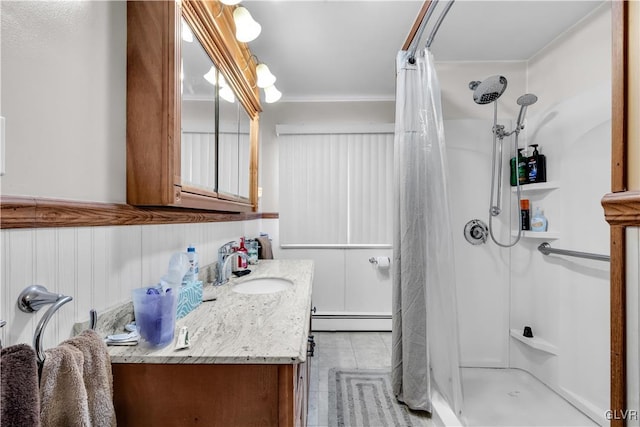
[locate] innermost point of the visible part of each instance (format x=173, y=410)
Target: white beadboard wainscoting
x=349, y=292
x=97, y=266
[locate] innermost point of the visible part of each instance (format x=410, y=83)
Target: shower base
x=512, y=397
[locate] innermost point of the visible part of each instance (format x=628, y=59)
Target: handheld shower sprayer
x=486, y=92
x=524, y=101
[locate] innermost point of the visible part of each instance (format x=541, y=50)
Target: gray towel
x=264, y=251
x=20, y=399
x=77, y=385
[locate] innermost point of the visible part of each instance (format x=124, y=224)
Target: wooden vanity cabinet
x=210, y=395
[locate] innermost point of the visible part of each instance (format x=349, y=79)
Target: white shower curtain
x=425, y=352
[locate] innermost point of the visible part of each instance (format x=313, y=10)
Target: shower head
x=524, y=101
x=527, y=99
x=489, y=89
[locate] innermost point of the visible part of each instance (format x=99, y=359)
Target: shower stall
x=559, y=374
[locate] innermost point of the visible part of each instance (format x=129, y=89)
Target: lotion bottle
x=539, y=221
x=194, y=267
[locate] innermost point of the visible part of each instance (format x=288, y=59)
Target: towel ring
x=33, y=298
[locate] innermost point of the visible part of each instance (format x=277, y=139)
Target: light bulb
x=230, y=2
x=211, y=75
x=271, y=94
x=187, y=34
x=246, y=28
x=227, y=94
x=265, y=78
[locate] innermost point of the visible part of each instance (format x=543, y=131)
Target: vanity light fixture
x=247, y=29
x=187, y=34
x=224, y=90
x=271, y=94
x=211, y=75
x=227, y=94
x=265, y=77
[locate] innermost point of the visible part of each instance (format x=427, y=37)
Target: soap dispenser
x=536, y=166
x=539, y=221
x=242, y=261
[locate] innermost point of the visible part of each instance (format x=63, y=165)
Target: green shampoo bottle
x=518, y=169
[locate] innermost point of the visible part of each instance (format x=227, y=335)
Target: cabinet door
x=198, y=159
x=171, y=162
x=302, y=393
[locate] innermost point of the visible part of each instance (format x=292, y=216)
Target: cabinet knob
x=313, y=310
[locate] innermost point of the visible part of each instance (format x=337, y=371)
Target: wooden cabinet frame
x=153, y=99
x=621, y=206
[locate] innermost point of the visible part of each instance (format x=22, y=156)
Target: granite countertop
x=237, y=328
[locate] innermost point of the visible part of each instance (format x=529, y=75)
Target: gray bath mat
x=364, y=398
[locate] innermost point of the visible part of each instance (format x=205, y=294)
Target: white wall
x=566, y=300
x=457, y=98
x=482, y=271
x=63, y=97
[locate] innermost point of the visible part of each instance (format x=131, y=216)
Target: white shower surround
x=565, y=300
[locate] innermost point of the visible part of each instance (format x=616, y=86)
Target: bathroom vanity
x=247, y=363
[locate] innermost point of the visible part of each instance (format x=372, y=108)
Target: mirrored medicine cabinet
x=192, y=108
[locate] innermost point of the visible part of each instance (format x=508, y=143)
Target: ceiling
x=345, y=50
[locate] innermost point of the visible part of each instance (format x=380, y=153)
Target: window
x=336, y=188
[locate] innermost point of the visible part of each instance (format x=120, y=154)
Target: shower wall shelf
x=551, y=235
x=539, y=187
x=535, y=342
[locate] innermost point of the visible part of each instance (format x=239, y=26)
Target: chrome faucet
x=225, y=255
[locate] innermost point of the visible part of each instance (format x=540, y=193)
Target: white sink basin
x=263, y=285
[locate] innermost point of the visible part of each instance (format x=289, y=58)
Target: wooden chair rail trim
x=36, y=212
x=622, y=209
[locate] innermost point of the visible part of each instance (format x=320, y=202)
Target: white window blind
x=198, y=154
x=234, y=163
x=336, y=189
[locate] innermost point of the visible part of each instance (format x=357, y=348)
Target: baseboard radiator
x=351, y=321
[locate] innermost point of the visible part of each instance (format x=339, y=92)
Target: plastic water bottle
x=194, y=269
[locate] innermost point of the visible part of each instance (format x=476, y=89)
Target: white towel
x=63, y=396
x=76, y=388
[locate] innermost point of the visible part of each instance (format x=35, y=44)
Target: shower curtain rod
x=417, y=30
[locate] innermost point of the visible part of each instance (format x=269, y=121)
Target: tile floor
x=362, y=350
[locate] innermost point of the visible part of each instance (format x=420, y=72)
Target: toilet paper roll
x=383, y=262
